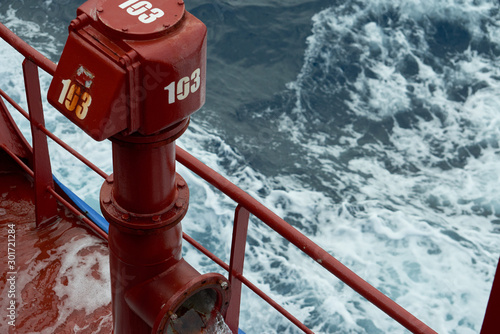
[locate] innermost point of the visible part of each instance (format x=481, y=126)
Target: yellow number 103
x=73, y=99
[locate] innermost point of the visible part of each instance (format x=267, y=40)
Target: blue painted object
x=84, y=207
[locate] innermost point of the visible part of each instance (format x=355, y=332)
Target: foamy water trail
x=421, y=194
x=394, y=131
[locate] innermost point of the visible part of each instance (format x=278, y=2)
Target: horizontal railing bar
x=249, y=284
x=15, y=105
x=274, y=304
x=205, y=251
x=18, y=160
x=307, y=246
x=50, y=67
x=27, y=50
x=318, y=254
x=55, y=138
x=80, y=215
x=68, y=205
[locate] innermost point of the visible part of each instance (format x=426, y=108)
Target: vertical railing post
x=491, y=322
x=240, y=228
x=45, y=203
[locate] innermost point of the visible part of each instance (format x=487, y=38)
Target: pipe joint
x=169, y=216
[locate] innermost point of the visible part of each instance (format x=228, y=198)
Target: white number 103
x=183, y=87
x=140, y=8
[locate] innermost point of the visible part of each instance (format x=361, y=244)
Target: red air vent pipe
x=134, y=71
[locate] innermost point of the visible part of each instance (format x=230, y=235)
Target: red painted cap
x=139, y=19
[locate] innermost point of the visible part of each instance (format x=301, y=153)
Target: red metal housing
x=134, y=71
x=130, y=66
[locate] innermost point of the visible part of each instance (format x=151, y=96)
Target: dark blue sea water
x=371, y=126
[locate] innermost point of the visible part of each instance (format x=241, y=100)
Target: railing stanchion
x=46, y=207
x=491, y=321
x=45, y=202
x=240, y=228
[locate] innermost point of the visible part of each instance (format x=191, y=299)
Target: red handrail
x=252, y=206
x=68, y=205
x=303, y=243
x=27, y=50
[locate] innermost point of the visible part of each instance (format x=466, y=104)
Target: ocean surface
x=372, y=126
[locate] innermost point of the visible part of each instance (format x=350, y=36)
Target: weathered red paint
x=40, y=251
x=240, y=229
x=45, y=202
x=144, y=171
x=149, y=279
x=27, y=50
x=118, y=74
x=132, y=75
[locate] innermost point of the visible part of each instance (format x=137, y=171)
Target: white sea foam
x=421, y=237
x=82, y=282
x=88, y=280
x=424, y=237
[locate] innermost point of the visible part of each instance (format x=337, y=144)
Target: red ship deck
x=60, y=285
